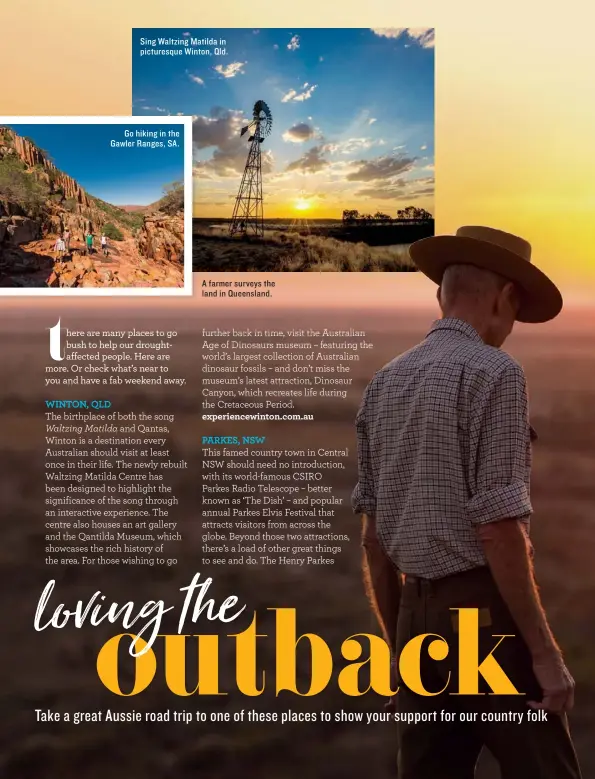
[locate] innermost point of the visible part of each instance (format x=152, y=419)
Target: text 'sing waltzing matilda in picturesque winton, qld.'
x=313, y=150
x=92, y=205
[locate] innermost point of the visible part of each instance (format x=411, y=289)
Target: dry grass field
x=292, y=251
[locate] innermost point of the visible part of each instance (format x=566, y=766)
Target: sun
x=302, y=204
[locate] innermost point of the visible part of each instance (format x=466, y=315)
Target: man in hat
x=444, y=458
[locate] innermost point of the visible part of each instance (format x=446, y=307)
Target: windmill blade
x=244, y=130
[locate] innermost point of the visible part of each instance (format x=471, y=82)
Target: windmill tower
x=248, y=213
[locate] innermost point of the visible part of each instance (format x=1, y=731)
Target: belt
x=464, y=581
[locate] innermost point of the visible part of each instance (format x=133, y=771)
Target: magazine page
x=296, y=401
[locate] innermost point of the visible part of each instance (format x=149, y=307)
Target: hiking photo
x=92, y=206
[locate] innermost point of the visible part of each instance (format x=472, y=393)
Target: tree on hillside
x=17, y=186
x=113, y=232
x=379, y=216
x=172, y=201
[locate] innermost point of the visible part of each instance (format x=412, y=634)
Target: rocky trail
x=35, y=264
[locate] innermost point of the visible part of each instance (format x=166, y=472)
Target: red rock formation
x=162, y=238
x=32, y=156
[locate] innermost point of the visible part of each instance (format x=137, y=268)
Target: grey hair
x=468, y=283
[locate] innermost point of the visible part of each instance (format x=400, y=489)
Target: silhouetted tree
x=418, y=214
x=350, y=216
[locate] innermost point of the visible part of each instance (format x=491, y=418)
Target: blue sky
x=353, y=113
x=119, y=175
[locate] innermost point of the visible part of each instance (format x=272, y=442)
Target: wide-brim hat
x=497, y=251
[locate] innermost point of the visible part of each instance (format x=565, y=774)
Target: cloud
x=423, y=36
x=349, y=145
x=221, y=129
x=304, y=93
x=155, y=108
x=294, y=43
x=380, y=168
x=276, y=46
x=197, y=79
x=423, y=148
x=372, y=120
x=299, y=133
x=320, y=59
x=311, y=161
x=231, y=70
x=391, y=191
x=399, y=188
x=352, y=145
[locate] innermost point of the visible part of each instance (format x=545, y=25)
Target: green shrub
x=116, y=214
x=112, y=232
x=173, y=200
x=20, y=187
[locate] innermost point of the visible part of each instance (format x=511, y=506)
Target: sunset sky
x=353, y=115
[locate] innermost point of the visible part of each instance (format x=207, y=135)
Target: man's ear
x=438, y=291
x=509, y=294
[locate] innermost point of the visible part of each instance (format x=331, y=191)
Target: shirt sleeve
x=498, y=463
x=363, y=499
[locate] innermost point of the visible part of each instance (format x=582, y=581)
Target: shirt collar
x=456, y=325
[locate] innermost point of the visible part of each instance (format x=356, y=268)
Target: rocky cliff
x=162, y=237
x=32, y=156
x=37, y=199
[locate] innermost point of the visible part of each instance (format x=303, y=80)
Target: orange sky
x=515, y=116
x=407, y=292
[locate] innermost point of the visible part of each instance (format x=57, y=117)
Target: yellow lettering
x=410, y=662
x=286, y=646
x=469, y=666
x=208, y=665
x=246, y=660
x=378, y=662
x=145, y=665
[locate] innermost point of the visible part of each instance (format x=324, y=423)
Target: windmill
x=248, y=213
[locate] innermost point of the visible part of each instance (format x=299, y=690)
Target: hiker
x=59, y=248
x=104, y=248
x=66, y=236
x=89, y=243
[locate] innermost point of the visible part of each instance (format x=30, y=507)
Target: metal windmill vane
x=248, y=212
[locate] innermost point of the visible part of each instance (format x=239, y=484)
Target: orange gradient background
x=515, y=112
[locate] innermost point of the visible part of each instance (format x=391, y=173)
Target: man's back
x=443, y=445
